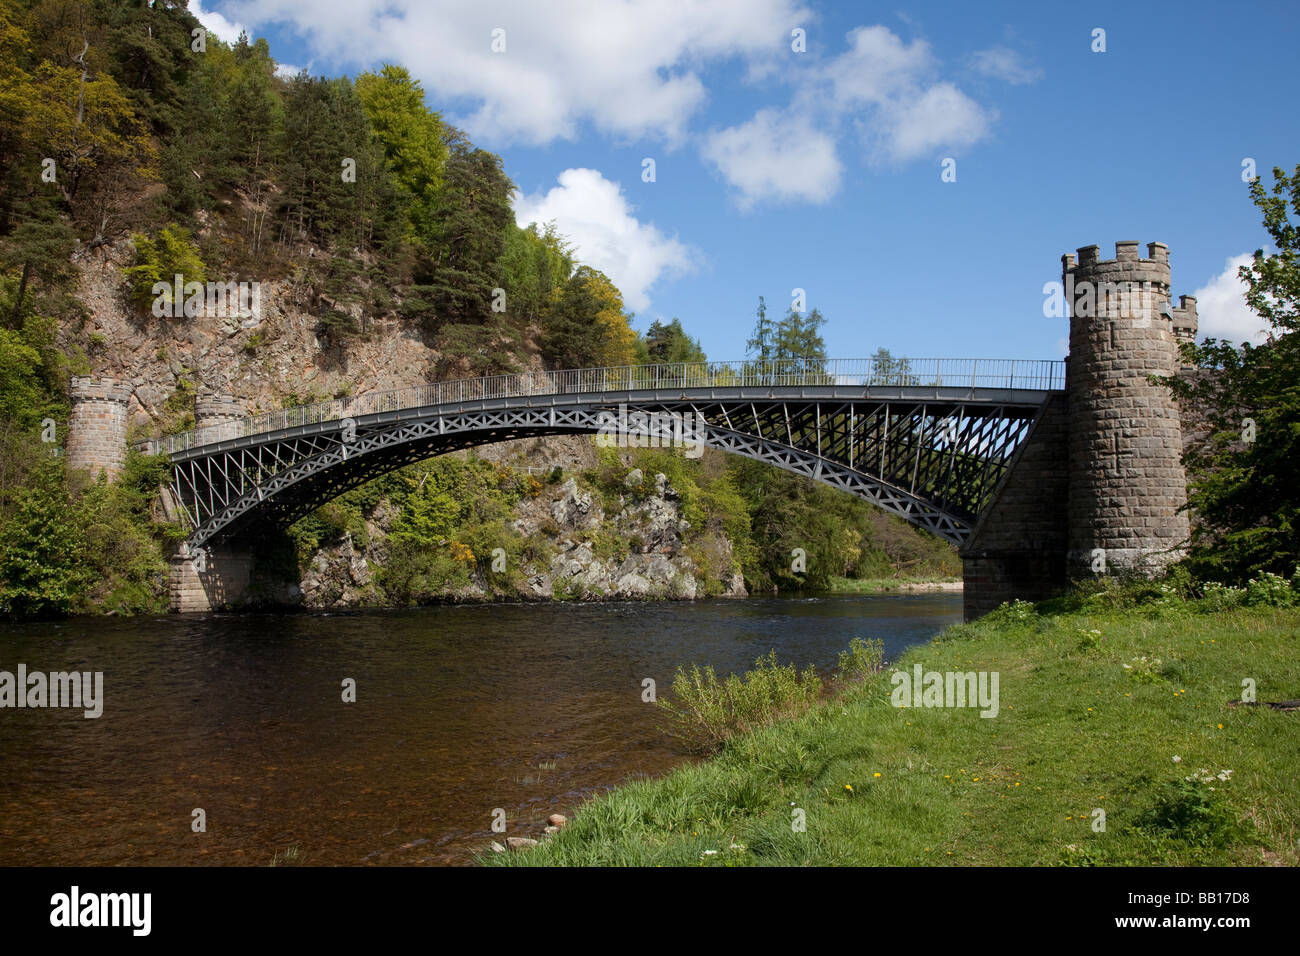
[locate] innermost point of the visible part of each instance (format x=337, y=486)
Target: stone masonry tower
x=218, y=416
x=97, y=426
x=1126, y=479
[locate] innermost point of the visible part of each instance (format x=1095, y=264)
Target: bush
x=862, y=659
x=1221, y=597
x=1195, y=811
x=705, y=712
x=174, y=253
x=1271, y=590
x=1012, y=613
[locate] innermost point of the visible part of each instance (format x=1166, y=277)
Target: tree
x=41, y=569
x=798, y=338
x=887, y=370
x=413, y=139
x=1243, y=462
x=760, y=343
x=669, y=344
x=588, y=327
x=535, y=265
x=467, y=234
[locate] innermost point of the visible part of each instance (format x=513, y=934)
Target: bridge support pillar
x=1018, y=549
x=217, y=578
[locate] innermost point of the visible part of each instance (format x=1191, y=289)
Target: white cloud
x=885, y=88
x=593, y=214
x=631, y=69
x=942, y=116
x=775, y=156
x=287, y=71
x=1221, y=306
x=225, y=30
x=1004, y=63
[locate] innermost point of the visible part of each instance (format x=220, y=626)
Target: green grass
x=1075, y=731
x=877, y=585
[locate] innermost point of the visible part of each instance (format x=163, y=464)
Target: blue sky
x=821, y=170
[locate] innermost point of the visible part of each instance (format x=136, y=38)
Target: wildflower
x=875, y=775
x=1177, y=759
x=850, y=789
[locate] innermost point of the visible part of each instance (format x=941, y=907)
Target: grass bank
x=1099, y=709
x=885, y=585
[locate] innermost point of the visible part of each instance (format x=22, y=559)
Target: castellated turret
x=217, y=417
x=1126, y=478
x=97, y=425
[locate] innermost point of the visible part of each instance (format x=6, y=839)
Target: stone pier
x=209, y=578
x=1097, y=487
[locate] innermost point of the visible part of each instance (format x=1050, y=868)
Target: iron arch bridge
x=926, y=439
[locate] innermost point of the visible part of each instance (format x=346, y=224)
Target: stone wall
x=1017, y=549
x=1126, y=479
x=97, y=425
x=223, y=581
x=217, y=417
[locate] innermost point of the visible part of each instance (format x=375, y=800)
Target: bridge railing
x=970, y=373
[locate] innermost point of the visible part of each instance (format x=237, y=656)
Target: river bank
x=1114, y=743
x=894, y=584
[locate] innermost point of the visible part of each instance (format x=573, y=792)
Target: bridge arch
x=916, y=444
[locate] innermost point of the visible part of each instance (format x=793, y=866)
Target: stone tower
x=1126, y=479
x=97, y=425
x=218, y=416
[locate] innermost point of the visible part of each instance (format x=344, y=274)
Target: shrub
x=862, y=659
x=1145, y=670
x=705, y=712
x=1221, y=597
x=1271, y=590
x=1195, y=811
x=173, y=253
x=1013, y=613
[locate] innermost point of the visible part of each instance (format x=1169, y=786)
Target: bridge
x=1015, y=461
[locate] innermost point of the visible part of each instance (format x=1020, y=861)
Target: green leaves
x=1244, y=467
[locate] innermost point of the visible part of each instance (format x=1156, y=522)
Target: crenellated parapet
x=217, y=416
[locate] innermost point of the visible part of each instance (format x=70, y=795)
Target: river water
x=459, y=712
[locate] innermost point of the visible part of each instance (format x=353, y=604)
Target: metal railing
x=1041, y=375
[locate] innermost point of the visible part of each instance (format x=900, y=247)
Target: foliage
x=705, y=711
x=173, y=253
x=1193, y=811
x=1244, y=470
x=42, y=551
x=863, y=659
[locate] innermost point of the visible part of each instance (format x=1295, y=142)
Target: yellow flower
x=877, y=775
x=850, y=789
x=1220, y=726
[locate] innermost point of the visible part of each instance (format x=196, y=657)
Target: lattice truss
x=935, y=464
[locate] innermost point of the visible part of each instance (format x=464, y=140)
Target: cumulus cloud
x=594, y=215
x=1004, y=63
x=1221, y=305
x=775, y=156
x=632, y=69
x=223, y=29
x=886, y=89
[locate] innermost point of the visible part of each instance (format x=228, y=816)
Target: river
x=459, y=712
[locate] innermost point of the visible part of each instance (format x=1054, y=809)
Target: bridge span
x=1038, y=470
